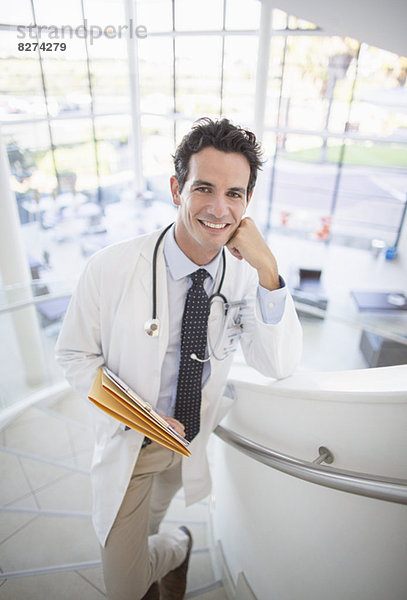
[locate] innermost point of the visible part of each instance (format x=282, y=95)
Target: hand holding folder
x=115, y=398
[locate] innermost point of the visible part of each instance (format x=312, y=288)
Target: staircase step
x=212, y=591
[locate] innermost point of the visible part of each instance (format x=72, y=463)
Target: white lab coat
x=105, y=324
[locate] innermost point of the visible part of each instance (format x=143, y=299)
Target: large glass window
x=59, y=14
x=156, y=75
x=76, y=128
x=21, y=90
x=210, y=15
x=335, y=112
x=239, y=76
x=339, y=144
x=242, y=14
x=109, y=75
x=155, y=15
x=198, y=75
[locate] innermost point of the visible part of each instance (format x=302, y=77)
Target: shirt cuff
x=272, y=302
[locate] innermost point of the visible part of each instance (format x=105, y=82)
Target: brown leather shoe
x=174, y=584
x=153, y=592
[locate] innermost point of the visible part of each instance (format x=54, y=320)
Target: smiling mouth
x=214, y=225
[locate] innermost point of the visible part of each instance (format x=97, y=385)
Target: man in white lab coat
x=133, y=481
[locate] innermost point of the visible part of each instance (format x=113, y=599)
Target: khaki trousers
x=136, y=555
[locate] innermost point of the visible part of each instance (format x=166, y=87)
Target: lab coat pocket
x=105, y=427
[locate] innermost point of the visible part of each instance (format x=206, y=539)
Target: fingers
x=249, y=244
x=234, y=251
x=233, y=242
x=179, y=428
x=243, y=242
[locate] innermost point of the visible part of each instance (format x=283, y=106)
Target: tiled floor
x=47, y=543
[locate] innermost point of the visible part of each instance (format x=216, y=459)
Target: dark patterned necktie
x=193, y=341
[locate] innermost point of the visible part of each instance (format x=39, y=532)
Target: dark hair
x=221, y=135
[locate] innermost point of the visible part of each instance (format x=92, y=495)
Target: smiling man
x=208, y=300
x=212, y=202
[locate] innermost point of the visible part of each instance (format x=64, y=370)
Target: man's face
x=212, y=202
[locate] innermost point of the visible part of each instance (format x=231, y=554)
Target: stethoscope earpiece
x=193, y=356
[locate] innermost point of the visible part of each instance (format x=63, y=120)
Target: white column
x=15, y=270
x=132, y=53
x=263, y=59
x=257, y=207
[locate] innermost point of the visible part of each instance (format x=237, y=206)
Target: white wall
x=377, y=22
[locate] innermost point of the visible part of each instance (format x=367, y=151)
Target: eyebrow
x=199, y=182
x=238, y=189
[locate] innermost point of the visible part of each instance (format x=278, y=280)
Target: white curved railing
x=302, y=529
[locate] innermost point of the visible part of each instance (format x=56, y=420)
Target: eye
x=203, y=189
x=236, y=195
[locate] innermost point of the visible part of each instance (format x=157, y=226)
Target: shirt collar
x=179, y=264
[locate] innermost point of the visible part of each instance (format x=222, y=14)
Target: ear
x=175, y=191
x=249, y=198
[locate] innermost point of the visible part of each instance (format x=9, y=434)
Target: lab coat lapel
x=162, y=306
x=145, y=266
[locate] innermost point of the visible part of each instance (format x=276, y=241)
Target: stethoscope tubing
x=154, y=276
x=154, y=271
x=153, y=326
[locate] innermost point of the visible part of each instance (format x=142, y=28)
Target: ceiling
x=376, y=22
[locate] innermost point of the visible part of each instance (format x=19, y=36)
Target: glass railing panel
x=29, y=332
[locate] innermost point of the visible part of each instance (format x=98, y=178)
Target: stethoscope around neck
x=152, y=326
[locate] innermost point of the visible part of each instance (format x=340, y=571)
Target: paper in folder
x=116, y=399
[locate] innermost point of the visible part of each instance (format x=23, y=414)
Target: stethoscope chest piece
x=152, y=327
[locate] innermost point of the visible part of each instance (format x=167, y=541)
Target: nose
x=219, y=205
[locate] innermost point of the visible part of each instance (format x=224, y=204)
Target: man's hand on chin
x=248, y=243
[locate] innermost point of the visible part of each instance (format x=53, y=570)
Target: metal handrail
x=363, y=484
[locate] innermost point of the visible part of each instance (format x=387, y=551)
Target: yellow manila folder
x=115, y=398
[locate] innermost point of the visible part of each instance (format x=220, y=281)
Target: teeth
x=214, y=225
